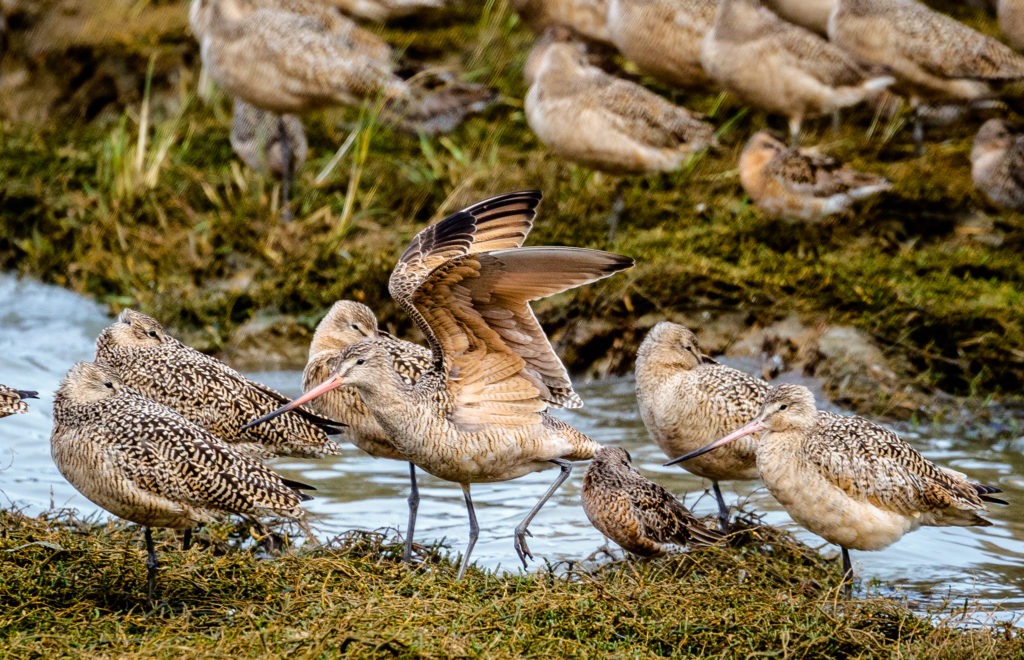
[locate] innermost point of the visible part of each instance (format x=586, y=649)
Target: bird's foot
x=522, y=549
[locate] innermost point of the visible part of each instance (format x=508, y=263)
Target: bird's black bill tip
x=692, y=454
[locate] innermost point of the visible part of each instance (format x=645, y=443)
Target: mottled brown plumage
x=637, y=513
x=383, y=10
x=850, y=481
x=687, y=399
x=798, y=184
x=663, y=37
x=12, y=401
x=588, y=18
x=781, y=67
x=811, y=14
x=1011, y=21
x=207, y=391
x=257, y=138
x=285, y=60
x=997, y=164
x=477, y=414
x=595, y=119
x=145, y=463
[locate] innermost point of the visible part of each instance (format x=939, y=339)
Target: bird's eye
x=109, y=384
x=783, y=407
x=151, y=333
x=360, y=361
x=354, y=327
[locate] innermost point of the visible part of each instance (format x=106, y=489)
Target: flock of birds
x=163, y=435
x=796, y=58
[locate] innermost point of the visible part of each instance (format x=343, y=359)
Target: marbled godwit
x=799, y=185
x=780, y=67
x=635, y=512
x=12, y=401
x=850, y=481
x=208, y=392
x=346, y=323
x=258, y=139
x=587, y=18
x=933, y=56
x=997, y=164
x=687, y=399
x=477, y=414
x=811, y=14
x=147, y=464
x=1011, y=21
x=588, y=116
x=663, y=37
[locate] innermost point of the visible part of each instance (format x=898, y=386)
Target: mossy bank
x=120, y=183
x=72, y=588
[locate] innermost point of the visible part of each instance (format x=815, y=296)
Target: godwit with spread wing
x=850, y=481
x=477, y=415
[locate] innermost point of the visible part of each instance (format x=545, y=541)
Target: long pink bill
x=749, y=428
x=326, y=386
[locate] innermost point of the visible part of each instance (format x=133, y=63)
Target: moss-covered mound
x=70, y=588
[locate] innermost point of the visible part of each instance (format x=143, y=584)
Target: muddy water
x=43, y=330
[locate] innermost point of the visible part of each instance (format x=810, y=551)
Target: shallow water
x=43, y=330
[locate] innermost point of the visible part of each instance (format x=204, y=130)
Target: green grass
x=172, y=224
x=74, y=588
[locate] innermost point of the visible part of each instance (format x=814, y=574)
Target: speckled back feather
x=635, y=512
x=146, y=463
x=12, y=401
x=208, y=392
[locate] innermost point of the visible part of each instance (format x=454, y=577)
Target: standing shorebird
x=346, y=323
x=477, y=415
x=997, y=164
x=663, y=37
x=635, y=512
x=257, y=138
x=933, y=56
x=796, y=184
x=143, y=462
x=12, y=401
x=781, y=67
x=208, y=392
x=687, y=399
x=293, y=56
x=850, y=481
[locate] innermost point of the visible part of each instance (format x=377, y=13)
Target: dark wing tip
x=985, y=492
x=298, y=487
x=27, y=394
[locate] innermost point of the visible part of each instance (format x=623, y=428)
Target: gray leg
x=186, y=540
x=414, y=505
x=723, y=510
x=794, y=131
x=474, y=531
x=522, y=549
x=837, y=121
x=613, y=217
x=847, y=572
x=286, y=169
x=151, y=564
x=918, y=131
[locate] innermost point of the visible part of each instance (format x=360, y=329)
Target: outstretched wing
x=476, y=315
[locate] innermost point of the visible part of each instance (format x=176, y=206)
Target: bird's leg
x=794, y=131
x=286, y=169
x=414, y=505
x=918, y=130
x=723, y=510
x=151, y=564
x=617, y=206
x=847, y=572
x=474, y=531
x=522, y=549
x=186, y=540
x=837, y=121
